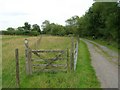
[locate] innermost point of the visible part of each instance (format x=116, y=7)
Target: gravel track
x=105, y=63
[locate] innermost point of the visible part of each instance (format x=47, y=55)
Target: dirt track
x=105, y=63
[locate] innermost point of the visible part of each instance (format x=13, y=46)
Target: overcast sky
x=14, y=13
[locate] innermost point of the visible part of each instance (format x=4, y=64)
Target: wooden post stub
x=27, y=56
x=72, y=54
x=17, y=68
x=68, y=65
x=29, y=61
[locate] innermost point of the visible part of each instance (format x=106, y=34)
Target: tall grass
x=9, y=43
x=83, y=77
x=8, y=57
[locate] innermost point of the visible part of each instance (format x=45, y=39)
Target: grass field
x=83, y=77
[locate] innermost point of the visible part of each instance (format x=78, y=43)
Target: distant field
x=83, y=77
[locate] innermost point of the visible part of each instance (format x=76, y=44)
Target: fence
x=74, y=53
x=38, y=61
x=45, y=64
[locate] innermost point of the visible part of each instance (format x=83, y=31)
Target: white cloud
x=15, y=12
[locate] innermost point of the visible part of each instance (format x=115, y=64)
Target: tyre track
x=106, y=71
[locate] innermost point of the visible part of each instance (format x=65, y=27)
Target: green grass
x=83, y=77
x=88, y=77
x=8, y=58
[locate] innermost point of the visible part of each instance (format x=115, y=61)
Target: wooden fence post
x=68, y=62
x=27, y=56
x=38, y=42
x=29, y=61
x=72, y=54
x=75, y=55
x=17, y=68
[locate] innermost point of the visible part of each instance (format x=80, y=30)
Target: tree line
x=27, y=29
x=100, y=21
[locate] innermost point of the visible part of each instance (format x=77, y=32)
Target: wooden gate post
x=72, y=54
x=29, y=61
x=68, y=62
x=27, y=56
x=17, y=68
x=75, y=55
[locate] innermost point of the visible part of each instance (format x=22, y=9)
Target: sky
x=13, y=13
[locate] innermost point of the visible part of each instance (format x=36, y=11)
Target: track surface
x=105, y=63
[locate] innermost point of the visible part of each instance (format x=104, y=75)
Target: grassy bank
x=83, y=77
x=86, y=71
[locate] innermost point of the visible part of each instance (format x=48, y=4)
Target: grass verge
x=88, y=79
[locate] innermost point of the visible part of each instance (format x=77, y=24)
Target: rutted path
x=105, y=64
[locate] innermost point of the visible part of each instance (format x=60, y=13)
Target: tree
x=52, y=28
x=10, y=29
x=72, y=24
x=27, y=26
x=101, y=20
x=20, y=28
x=46, y=27
x=36, y=28
x=57, y=29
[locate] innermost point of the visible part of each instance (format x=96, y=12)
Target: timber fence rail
x=37, y=62
x=46, y=64
x=50, y=61
x=35, y=59
x=47, y=60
